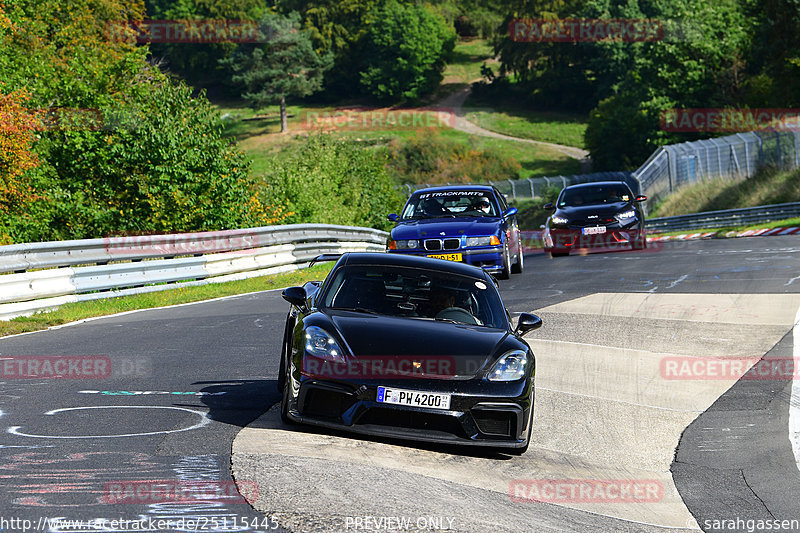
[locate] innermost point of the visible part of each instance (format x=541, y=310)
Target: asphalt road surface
x=141, y=438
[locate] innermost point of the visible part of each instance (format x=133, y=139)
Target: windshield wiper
x=356, y=309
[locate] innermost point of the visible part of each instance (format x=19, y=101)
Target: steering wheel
x=459, y=314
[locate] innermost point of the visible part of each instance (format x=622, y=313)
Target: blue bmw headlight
x=492, y=240
x=320, y=343
x=559, y=220
x=510, y=367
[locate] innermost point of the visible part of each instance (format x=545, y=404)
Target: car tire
x=640, y=243
x=517, y=268
x=285, y=349
x=285, y=402
x=506, y=272
x=559, y=254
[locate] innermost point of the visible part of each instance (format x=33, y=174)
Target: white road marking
x=204, y=420
x=682, y=278
x=794, y=402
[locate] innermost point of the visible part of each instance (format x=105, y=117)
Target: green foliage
x=531, y=214
x=708, y=57
x=286, y=66
x=408, y=47
x=150, y=159
x=471, y=18
x=337, y=27
x=158, y=165
x=333, y=182
x=429, y=158
x=768, y=186
x=198, y=63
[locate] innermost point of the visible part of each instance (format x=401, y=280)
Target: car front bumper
x=474, y=418
x=573, y=238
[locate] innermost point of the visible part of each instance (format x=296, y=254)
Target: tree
x=198, y=63
x=18, y=126
x=334, y=181
x=407, y=49
x=150, y=158
x=286, y=66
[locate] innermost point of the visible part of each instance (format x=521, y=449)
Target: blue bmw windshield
x=443, y=204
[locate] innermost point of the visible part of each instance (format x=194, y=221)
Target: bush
x=157, y=164
x=332, y=181
x=531, y=213
x=430, y=158
x=407, y=47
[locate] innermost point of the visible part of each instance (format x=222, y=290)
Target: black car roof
x=441, y=265
x=595, y=183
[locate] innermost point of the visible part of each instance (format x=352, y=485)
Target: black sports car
x=595, y=215
x=408, y=347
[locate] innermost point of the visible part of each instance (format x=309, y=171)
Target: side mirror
x=641, y=198
x=528, y=322
x=510, y=212
x=393, y=217
x=295, y=296
x=549, y=206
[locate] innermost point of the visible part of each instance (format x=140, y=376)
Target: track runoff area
x=666, y=400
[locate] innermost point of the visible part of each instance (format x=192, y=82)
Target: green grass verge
x=768, y=186
x=465, y=63
x=265, y=150
x=558, y=128
x=720, y=232
x=80, y=310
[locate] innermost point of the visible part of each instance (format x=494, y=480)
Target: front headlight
x=559, y=220
x=408, y=244
x=494, y=240
x=626, y=215
x=319, y=343
x=510, y=367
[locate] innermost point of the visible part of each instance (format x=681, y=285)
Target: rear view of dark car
x=595, y=215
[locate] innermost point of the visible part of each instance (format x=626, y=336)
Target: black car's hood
x=463, y=349
x=601, y=210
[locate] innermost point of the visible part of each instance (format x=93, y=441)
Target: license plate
x=594, y=231
x=414, y=398
x=449, y=257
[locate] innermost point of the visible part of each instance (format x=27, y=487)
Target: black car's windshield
x=596, y=195
x=450, y=204
x=415, y=293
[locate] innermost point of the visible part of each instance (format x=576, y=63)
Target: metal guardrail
x=732, y=157
x=22, y=257
x=531, y=188
x=134, y=264
x=725, y=218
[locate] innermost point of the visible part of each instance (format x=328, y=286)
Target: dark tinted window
x=416, y=294
x=595, y=195
x=451, y=204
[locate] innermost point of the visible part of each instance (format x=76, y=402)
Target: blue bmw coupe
x=472, y=224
